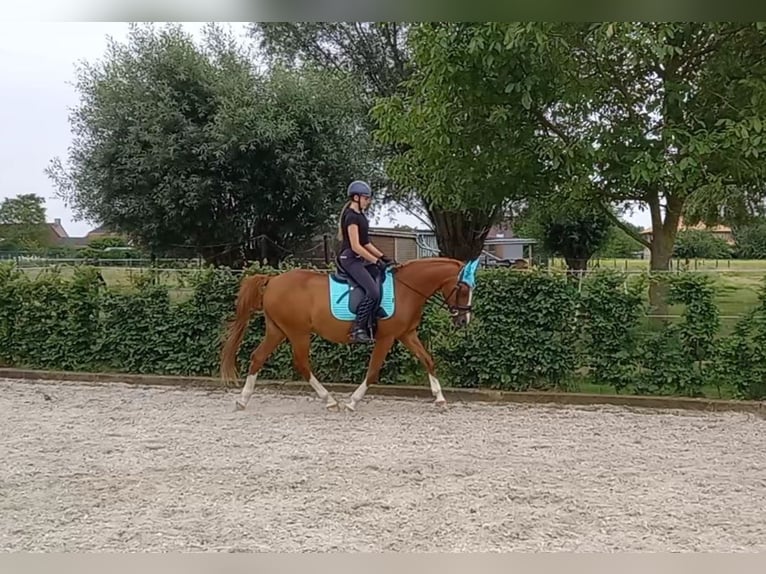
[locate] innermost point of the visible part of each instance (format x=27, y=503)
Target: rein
x=453, y=309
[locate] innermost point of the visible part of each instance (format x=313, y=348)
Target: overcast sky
x=37, y=62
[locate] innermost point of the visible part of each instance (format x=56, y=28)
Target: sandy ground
x=125, y=468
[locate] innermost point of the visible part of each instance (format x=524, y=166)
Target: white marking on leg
x=468, y=313
x=323, y=393
x=357, y=396
x=436, y=389
x=247, y=391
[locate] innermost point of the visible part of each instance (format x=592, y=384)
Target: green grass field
x=737, y=282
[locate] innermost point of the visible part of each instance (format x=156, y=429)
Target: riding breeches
x=364, y=273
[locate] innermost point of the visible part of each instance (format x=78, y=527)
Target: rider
x=360, y=258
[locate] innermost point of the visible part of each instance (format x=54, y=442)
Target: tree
x=454, y=146
x=379, y=57
x=372, y=54
x=619, y=243
x=653, y=114
x=182, y=146
x=700, y=244
x=375, y=53
x=678, y=101
x=751, y=240
x=572, y=230
x=676, y=111
x=22, y=222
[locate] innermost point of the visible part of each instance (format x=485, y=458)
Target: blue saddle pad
x=344, y=301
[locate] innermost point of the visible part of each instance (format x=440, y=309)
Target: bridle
x=454, y=310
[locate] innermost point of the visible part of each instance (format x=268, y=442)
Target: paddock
x=90, y=467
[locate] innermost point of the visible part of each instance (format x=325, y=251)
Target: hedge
x=531, y=330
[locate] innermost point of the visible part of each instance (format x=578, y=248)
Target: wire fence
x=676, y=265
x=624, y=266
x=318, y=252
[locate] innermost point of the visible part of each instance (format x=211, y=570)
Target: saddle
x=356, y=293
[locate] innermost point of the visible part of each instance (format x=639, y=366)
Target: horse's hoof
x=440, y=403
x=349, y=407
x=238, y=406
x=333, y=407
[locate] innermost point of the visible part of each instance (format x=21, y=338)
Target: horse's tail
x=249, y=301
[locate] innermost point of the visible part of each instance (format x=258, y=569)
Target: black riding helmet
x=359, y=188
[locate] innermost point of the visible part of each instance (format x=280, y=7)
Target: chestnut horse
x=297, y=302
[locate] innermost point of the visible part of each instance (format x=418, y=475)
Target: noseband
x=455, y=310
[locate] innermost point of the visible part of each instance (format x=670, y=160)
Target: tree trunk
x=264, y=250
x=577, y=263
x=658, y=288
x=664, y=232
x=222, y=256
x=663, y=239
x=461, y=234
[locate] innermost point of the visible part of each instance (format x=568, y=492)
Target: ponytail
x=340, y=220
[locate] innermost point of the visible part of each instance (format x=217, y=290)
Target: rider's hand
x=388, y=261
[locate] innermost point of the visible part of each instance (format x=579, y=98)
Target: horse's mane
x=406, y=264
x=423, y=260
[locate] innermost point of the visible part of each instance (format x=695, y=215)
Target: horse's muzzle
x=460, y=315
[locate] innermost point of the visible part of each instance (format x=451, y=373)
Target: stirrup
x=360, y=335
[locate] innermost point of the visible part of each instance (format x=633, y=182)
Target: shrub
x=523, y=336
x=531, y=330
x=740, y=359
x=610, y=312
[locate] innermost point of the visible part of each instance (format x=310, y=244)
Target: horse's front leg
x=413, y=343
x=379, y=352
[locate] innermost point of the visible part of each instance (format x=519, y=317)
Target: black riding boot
x=360, y=330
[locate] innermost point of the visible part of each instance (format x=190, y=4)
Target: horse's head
x=431, y=275
x=459, y=294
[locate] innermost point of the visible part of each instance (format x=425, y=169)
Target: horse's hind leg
x=274, y=336
x=301, y=346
